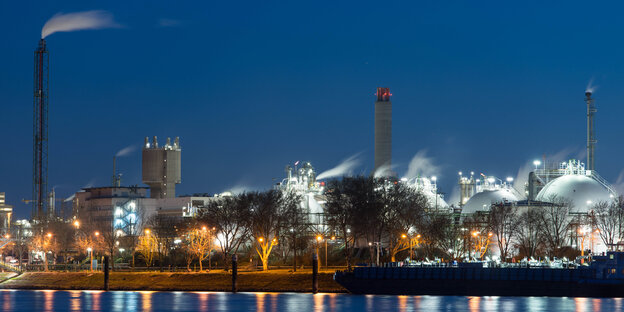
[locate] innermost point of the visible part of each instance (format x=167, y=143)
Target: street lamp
x=77, y=224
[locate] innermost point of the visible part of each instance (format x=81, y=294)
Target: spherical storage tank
x=582, y=191
x=482, y=201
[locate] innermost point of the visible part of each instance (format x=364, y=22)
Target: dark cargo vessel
x=604, y=277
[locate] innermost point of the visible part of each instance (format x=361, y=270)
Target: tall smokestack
x=591, y=134
x=383, y=129
x=40, y=131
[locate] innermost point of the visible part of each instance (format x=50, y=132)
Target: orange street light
x=333, y=238
x=204, y=228
x=403, y=236
x=77, y=224
x=147, y=231
x=97, y=233
x=319, y=238
x=418, y=236
x=490, y=234
x=261, y=239
x=7, y=236
x=49, y=235
x=475, y=233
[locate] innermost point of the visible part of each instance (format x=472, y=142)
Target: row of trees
x=367, y=217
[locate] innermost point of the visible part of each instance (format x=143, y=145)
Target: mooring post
x=234, y=272
x=314, y=273
x=106, y=286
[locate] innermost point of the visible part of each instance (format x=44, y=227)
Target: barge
x=604, y=277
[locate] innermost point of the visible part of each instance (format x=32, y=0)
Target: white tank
x=482, y=201
x=581, y=190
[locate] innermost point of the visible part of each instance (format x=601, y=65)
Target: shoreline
x=272, y=281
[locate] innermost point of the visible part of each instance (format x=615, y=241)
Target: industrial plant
x=127, y=209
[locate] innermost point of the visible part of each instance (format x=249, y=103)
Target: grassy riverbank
x=272, y=281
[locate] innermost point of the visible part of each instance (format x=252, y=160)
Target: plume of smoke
x=453, y=198
x=421, y=165
x=96, y=19
x=522, y=178
x=619, y=183
x=383, y=171
x=89, y=184
x=523, y=172
x=344, y=168
x=590, y=86
x=126, y=151
x=240, y=188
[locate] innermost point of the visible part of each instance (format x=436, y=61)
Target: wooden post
x=315, y=273
x=106, y=284
x=234, y=272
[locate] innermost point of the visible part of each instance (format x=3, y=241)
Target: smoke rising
x=421, y=165
x=96, y=19
x=126, y=151
x=344, y=168
x=522, y=178
x=590, y=86
x=383, y=171
x=619, y=183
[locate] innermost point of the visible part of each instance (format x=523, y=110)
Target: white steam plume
x=125, y=151
x=96, y=19
x=344, y=168
x=523, y=172
x=590, y=86
x=383, y=171
x=421, y=165
x=619, y=183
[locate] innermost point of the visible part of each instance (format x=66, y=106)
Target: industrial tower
x=40, y=131
x=162, y=167
x=591, y=134
x=383, y=129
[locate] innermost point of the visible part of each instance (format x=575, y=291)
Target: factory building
x=383, y=132
x=128, y=208
x=6, y=212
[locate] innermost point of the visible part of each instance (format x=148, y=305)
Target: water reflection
x=474, y=304
x=75, y=300
x=48, y=300
x=6, y=301
x=260, y=302
x=146, y=300
x=127, y=301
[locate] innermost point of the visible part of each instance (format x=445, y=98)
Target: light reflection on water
x=125, y=301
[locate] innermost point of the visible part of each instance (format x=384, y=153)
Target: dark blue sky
x=250, y=86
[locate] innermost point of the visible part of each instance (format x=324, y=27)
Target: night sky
x=250, y=86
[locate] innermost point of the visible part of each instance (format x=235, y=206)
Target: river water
x=53, y=300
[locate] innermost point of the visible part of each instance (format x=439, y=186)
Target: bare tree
x=147, y=246
x=503, y=223
x=231, y=218
x=164, y=230
x=268, y=211
x=554, y=223
x=528, y=236
x=608, y=218
x=404, y=209
x=342, y=210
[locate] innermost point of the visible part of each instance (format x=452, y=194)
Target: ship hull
x=473, y=287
